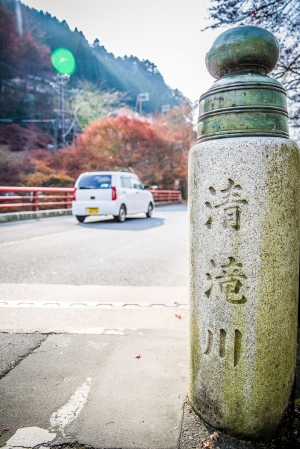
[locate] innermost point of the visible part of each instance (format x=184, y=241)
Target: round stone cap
x=243, y=49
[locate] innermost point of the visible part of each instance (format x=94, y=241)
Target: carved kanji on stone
x=231, y=201
x=230, y=280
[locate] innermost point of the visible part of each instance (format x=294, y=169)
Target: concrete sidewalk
x=122, y=386
x=107, y=372
x=112, y=391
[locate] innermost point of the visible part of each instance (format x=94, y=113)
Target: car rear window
x=95, y=182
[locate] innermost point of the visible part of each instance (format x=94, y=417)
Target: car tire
x=150, y=210
x=81, y=218
x=122, y=214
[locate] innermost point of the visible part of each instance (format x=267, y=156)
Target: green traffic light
x=63, y=61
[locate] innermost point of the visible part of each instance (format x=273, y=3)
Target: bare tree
x=282, y=18
x=90, y=103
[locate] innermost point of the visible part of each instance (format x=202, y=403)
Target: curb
x=166, y=203
x=16, y=216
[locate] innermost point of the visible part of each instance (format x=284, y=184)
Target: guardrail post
x=66, y=198
x=35, y=202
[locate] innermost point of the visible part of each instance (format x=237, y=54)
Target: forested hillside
x=52, y=127
x=28, y=37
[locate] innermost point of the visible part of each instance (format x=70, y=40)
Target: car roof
x=108, y=173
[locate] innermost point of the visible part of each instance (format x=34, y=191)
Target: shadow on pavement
x=182, y=207
x=131, y=223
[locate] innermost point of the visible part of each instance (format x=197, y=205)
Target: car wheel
x=150, y=210
x=81, y=218
x=122, y=214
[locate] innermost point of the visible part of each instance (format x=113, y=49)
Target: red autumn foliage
x=20, y=53
x=11, y=167
x=156, y=151
x=21, y=138
x=176, y=128
x=9, y=44
x=34, y=57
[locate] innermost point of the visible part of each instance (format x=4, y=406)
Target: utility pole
x=139, y=100
x=59, y=83
x=62, y=81
x=64, y=63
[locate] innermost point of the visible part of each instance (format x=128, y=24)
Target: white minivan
x=110, y=193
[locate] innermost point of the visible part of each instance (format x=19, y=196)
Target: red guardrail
x=166, y=195
x=38, y=197
x=13, y=198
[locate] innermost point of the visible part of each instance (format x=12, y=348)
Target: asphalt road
x=58, y=250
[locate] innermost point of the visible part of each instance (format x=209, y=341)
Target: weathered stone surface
x=244, y=240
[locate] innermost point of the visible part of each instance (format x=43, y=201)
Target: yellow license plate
x=93, y=210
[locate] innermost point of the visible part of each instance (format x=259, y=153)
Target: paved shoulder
x=99, y=390
x=15, y=347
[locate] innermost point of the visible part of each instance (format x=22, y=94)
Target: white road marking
x=89, y=305
x=68, y=412
x=13, y=242
x=96, y=294
x=30, y=437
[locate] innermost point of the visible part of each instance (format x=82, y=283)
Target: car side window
x=125, y=182
x=136, y=184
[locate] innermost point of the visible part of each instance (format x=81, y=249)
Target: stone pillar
x=244, y=240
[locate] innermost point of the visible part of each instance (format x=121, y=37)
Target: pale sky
x=167, y=32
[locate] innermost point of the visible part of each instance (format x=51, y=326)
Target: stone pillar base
x=244, y=258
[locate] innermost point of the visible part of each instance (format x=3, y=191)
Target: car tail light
x=74, y=195
x=113, y=193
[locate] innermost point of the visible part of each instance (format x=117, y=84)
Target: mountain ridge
x=94, y=63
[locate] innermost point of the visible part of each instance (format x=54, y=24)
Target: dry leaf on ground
x=206, y=444
x=214, y=436
x=4, y=429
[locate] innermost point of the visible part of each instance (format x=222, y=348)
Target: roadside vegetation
x=156, y=150
x=53, y=129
